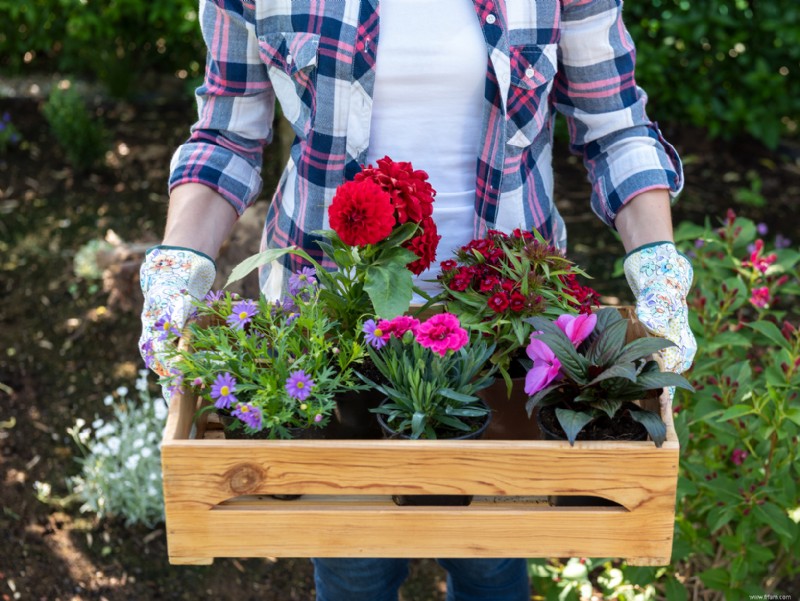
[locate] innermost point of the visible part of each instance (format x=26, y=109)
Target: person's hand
x=171, y=278
x=660, y=278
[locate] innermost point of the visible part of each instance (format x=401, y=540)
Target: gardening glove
x=171, y=277
x=660, y=278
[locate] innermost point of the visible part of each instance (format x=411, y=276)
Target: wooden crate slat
x=422, y=532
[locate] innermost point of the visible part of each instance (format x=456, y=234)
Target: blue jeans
x=367, y=579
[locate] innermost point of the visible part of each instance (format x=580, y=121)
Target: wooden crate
x=216, y=505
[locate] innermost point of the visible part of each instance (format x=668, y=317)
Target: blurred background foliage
x=730, y=66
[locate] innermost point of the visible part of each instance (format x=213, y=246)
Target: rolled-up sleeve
x=595, y=89
x=235, y=105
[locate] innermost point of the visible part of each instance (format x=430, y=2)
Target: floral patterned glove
x=171, y=277
x=660, y=278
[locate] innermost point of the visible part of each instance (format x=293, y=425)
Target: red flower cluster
x=484, y=266
x=587, y=297
x=366, y=210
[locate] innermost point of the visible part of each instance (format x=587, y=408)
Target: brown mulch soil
x=66, y=342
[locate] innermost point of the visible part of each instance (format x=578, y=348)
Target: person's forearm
x=644, y=219
x=199, y=218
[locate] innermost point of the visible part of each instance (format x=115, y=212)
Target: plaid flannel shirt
x=317, y=58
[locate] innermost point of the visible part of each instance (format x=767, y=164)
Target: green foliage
x=114, y=40
x=428, y=393
x=731, y=66
x=738, y=495
x=121, y=464
x=581, y=578
x=260, y=347
x=83, y=138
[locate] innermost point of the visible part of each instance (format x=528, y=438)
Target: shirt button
x=289, y=59
x=529, y=72
x=490, y=19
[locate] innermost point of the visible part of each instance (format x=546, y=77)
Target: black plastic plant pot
x=548, y=425
x=435, y=500
x=353, y=418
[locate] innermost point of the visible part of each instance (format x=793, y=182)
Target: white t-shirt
x=427, y=107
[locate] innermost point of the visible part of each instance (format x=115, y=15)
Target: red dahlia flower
x=424, y=246
x=361, y=213
x=411, y=194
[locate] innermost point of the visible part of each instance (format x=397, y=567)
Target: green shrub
x=83, y=138
x=113, y=40
x=738, y=498
x=731, y=66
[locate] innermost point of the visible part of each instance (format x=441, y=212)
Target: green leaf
x=793, y=414
x=417, y=424
x=653, y=424
x=538, y=397
x=643, y=347
x=389, y=288
x=776, y=518
x=674, y=590
x=626, y=370
x=572, y=422
x=771, y=331
x=609, y=344
x=716, y=578
x=735, y=412
x=456, y=396
x=263, y=258
x=609, y=406
x=662, y=379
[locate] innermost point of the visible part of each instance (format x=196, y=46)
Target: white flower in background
x=121, y=467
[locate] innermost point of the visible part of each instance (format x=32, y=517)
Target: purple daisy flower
x=299, y=385
x=249, y=414
x=301, y=280
x=241, y=314
x=166, y=326
x=373, y=334
x=222, y=391
x=212, y=297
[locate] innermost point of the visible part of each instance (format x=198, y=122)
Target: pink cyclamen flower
x=442, y=333
x=738, y=456
x=546, y=366
x=577, y=327
x=760, y=297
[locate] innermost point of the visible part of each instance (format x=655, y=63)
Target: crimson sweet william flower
x=517, y=302
x=442, y=333
x=498, y=302
x=488, y=283
x=448, y=265
x=361, y=213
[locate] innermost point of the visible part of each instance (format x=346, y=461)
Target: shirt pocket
x=533, y=70
x=291, y=62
